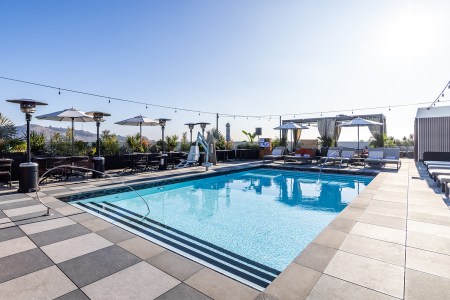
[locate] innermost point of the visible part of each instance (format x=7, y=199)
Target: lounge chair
x=347, y=156
x=442, y=180
x=333, y=155
x=375, y=155
x=5, y=170
x=392, y=156
x=192, y=158
x=277, y=153
x=435, y=172
x=436, y=162
x=304, y=155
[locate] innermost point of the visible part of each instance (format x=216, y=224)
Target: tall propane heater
x=99, y=161
x=28, y=181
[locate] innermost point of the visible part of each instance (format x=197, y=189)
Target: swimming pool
x=249, y=225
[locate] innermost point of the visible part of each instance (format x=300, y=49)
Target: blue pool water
x=261, y=217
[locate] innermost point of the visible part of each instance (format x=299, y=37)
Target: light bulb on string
x=146, y=106
x=59, y=91
x=109, y=100
x=389, y=108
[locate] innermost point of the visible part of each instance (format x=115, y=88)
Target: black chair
x=5, y=170
x=83, y=163
x=54, y=162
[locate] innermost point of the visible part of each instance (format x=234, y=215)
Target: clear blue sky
x=236, y=57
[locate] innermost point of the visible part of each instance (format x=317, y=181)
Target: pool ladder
x=324, y=163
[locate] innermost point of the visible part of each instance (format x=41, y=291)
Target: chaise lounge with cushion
x=277, y=153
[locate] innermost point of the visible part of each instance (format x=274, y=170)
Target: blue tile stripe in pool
x=239, y=266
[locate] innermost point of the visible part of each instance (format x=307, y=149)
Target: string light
x=389, y=108
x=146, y=106
x=441, y=94
x=225, y=114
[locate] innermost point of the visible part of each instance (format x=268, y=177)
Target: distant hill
x=50, y=130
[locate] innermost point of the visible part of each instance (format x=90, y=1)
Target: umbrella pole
x=73, y=136
x=292, y=140
x=358, y=139
x=140, y=132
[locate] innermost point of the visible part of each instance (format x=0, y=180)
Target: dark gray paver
x=75, y=295
x=10, y=233
x=58, y=234
x=175, y=265
x=17, y=204
x=35, y=217
x=96, y=265
x=23, y=263
x=183, y=291
x=316, y=256
x=115, y=234
x=2, y=215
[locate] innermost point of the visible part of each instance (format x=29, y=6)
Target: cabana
x=432, y=133
x=328, y=128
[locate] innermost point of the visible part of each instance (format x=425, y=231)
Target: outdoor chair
x=5, y=170
x=347, y=156
x=429, y=163
x=52, y=164
x=375, y=156
x=304, y=155
x=333, y=154
x=84, y=165
x=434, y=172
x=392, y=156
x=192, y=158
x=277, y=153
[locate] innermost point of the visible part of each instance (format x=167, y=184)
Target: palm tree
x=7, y=128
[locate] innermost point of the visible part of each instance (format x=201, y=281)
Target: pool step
x=227, y=262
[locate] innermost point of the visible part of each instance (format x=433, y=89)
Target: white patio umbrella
x=139, y=121
x=357, y=122
x=291, y=126
x=68, y=115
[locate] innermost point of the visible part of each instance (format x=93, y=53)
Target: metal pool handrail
x=65, y=167
x=324, y=163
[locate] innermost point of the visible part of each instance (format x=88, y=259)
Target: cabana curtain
x=376, y=129
x=326, y=127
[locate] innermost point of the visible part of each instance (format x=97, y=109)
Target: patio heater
x=163, y=163
x=203, y=126
x=28, y=181
x=99, y=161
x=191, y=126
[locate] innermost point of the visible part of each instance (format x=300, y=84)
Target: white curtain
x=326, y=127
x=376, y=129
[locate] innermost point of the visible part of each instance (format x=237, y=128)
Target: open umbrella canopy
x=359, y=122
x=139, y=121
x=69, y=115
x=291, y=125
